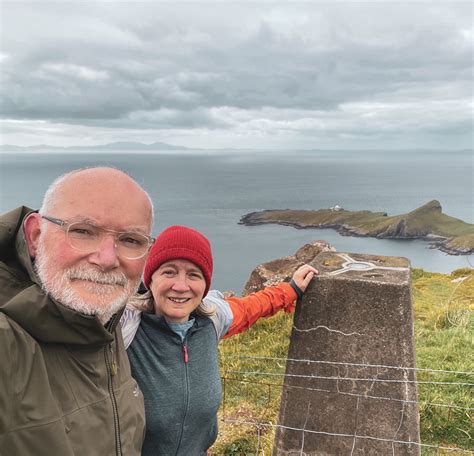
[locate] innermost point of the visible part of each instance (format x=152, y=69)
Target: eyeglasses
x=87, y=237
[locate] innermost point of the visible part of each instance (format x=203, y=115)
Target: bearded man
x=66, y=273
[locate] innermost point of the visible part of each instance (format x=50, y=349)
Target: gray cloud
x=252, y=68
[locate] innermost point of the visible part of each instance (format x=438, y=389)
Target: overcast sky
x=258, y=74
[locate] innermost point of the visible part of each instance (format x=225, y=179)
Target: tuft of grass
x=444, y=329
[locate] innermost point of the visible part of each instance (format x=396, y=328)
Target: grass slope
x=444, y=324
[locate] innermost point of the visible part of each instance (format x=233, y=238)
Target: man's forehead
x=115, y=206
x=105, y=216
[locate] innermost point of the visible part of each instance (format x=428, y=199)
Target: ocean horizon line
x=146, y=149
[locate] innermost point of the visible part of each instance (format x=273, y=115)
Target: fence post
x=350, y=386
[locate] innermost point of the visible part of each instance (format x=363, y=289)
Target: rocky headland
x=282, y=269
x=428, y=222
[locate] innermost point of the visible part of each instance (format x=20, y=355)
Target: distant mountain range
x=128, y=145
x=137, y=146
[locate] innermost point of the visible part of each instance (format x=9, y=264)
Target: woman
x=172, y=344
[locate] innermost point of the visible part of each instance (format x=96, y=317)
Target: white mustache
x=92, y=275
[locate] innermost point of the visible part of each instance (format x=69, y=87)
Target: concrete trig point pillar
x=345, y=391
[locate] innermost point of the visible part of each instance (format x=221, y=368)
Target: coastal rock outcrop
x=282, y=269
x=427, y=222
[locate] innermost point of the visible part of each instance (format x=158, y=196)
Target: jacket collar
x=24, y=255
x=13, y=249
x=158, y=321
x=51, y=322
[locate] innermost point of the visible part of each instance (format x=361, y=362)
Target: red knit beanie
x=180, y=242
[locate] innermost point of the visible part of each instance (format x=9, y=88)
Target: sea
x=210, y=190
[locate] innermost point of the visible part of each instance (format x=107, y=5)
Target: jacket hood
x=48, y=321
x=23, y=300
x=10, y=226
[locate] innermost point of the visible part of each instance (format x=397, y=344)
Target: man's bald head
x=91, y=177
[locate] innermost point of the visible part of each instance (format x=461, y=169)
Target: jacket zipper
x=186, y=392
x=112, y=371
x=185, y=350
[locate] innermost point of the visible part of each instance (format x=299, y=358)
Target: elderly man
x=65, y=276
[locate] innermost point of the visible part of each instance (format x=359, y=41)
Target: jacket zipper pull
x=186, y=358
x=113, y=364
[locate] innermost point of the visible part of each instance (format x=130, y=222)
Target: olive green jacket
x=65, y=383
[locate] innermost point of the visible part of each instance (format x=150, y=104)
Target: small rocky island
x=428, y=222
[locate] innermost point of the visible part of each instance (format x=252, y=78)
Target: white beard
x=57, y=283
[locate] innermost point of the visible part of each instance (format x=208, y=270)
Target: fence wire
x=253, y=386
x=266, y=423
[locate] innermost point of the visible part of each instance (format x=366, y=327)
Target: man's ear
x=32, y=229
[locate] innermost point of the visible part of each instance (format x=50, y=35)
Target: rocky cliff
x=427, y=222
x=282, y=269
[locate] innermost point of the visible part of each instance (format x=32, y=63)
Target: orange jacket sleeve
x=265, y=303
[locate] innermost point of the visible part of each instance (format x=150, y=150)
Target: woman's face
x=178, y=288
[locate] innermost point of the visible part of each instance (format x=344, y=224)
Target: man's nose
x=105, y=255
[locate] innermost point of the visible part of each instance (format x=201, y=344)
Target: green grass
x=444, y=328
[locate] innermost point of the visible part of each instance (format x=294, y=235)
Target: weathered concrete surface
x=282, y=269
x=351, y=315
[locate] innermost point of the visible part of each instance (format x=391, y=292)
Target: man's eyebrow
x=133, y=229
x=82, y=219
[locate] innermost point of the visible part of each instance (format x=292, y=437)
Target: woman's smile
x=179, y=300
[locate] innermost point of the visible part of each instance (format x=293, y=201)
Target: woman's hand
x=303, y=276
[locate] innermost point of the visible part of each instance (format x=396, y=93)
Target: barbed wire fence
x=264, y=424
x=253, y=385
